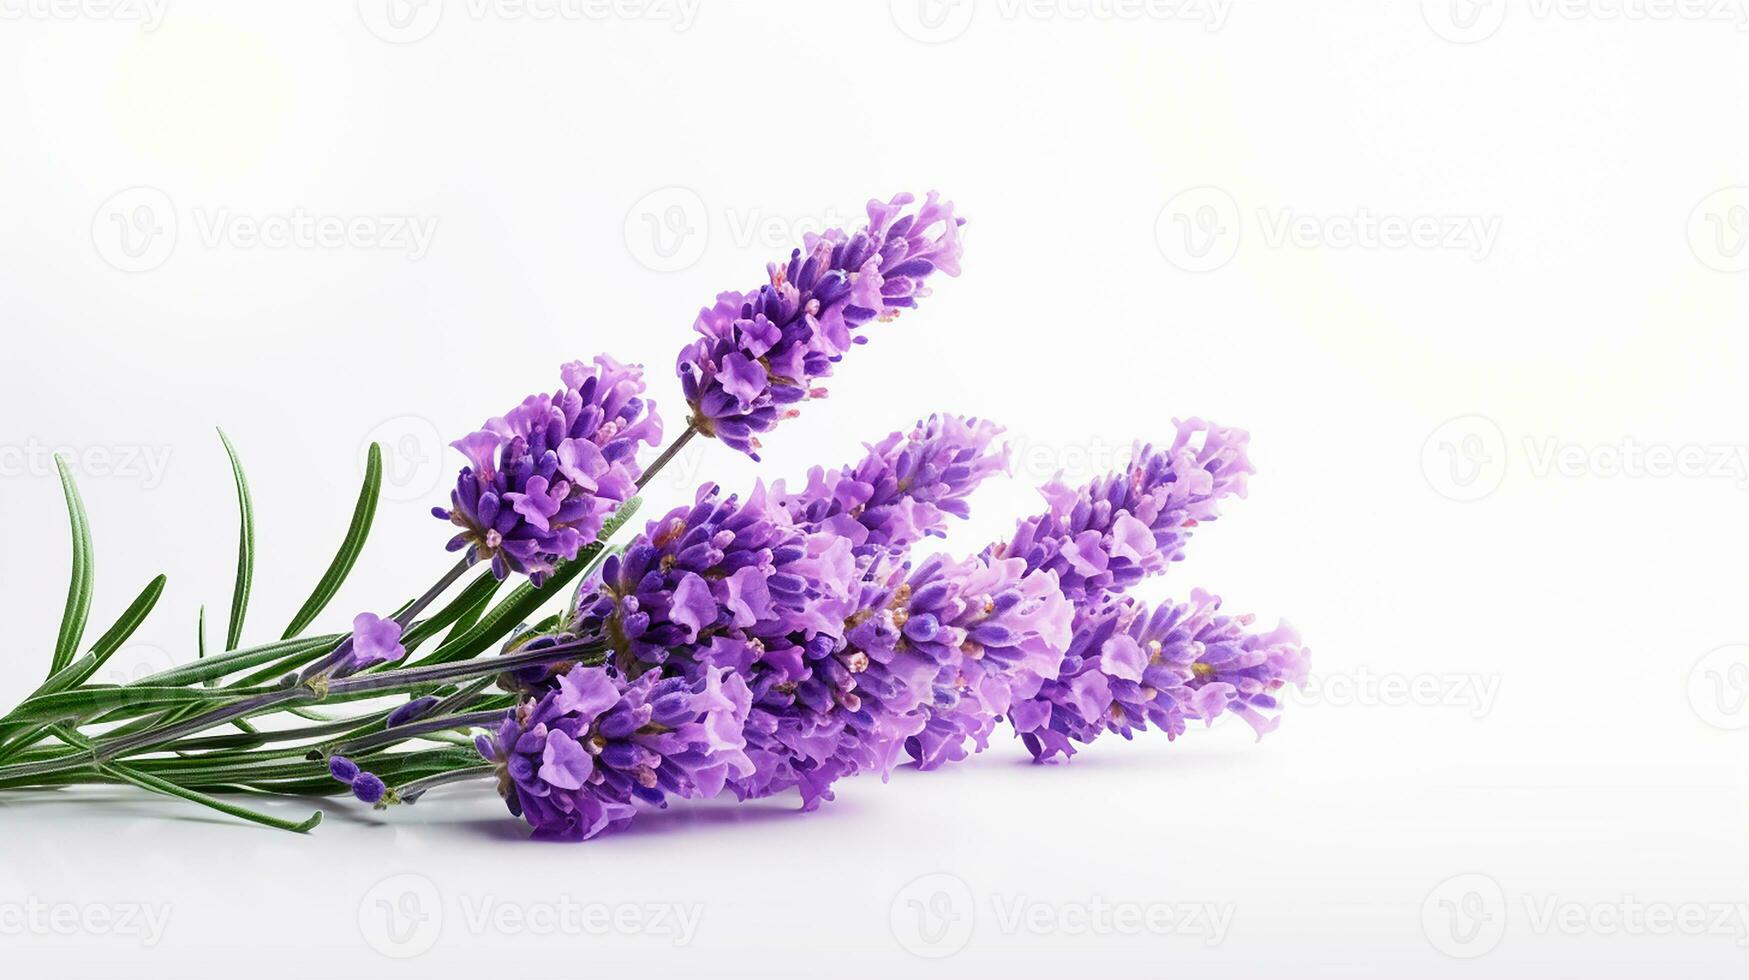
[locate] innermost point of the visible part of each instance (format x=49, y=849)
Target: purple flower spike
x=1128, y=670
x=999, y=631
x=343, y=769
x=905, y=488
x=575, y=762
x=1121, y=528
x=542, y=480
x=763, y=352
x=711, y=584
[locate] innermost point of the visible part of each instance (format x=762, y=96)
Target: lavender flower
x=1119, y=529
x=375, y=640
x=762, y=352
x=906, y=486
x=824, y=708
x=542, y=480
x=575, y=762
x=1128, y=670
x=999, y=631
x=707, y=584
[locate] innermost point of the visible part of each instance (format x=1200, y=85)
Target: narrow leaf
x=79, y=591
x=526, y=598
x=213, y=668
x=363, y=513
x=157, y=785
x=245, y=548
x=87, y=701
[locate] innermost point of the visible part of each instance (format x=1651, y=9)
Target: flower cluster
x=574, y=762
x=712, y=584
x=759, y=353
x=542, y=480
x=905, y=488
x=1119, y=529
x=1129, y=669
x=796, y=625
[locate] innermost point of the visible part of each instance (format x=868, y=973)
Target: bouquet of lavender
x=750, y=643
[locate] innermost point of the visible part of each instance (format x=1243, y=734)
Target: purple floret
x=1129, y=670
x=1122, y=528
x=710, y=583
x=906, y=486
x=575, y=762
x=542, y=480
x=762, y=352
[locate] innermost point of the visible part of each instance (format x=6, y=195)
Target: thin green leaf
x=526, y=598
x=212, y=668
x=79, y=591
x=88, y=701
x=144, y=780
x=245, y=548
x=83, y=669
x=156, y=785
x=472, y=614
x=363, y=513
x=200, y=643
x=479, y=591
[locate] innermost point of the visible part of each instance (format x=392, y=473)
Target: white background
x=1517, y=709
